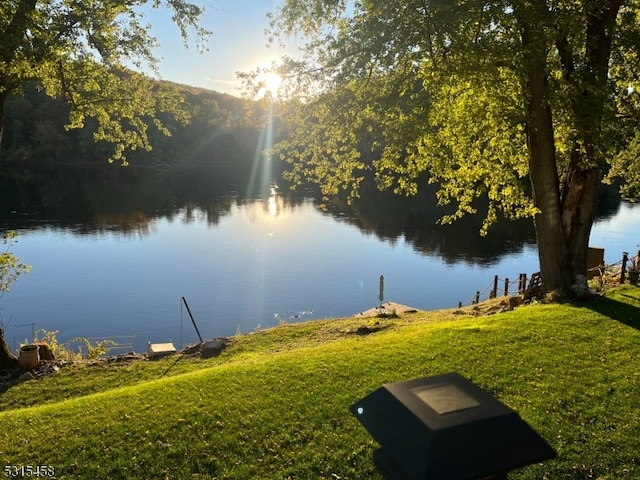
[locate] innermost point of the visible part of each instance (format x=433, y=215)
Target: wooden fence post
x=523, y=283
x=623, y=269
x=494, y=292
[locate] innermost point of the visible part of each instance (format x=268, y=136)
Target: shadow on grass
x=166, y=372
x=617, y=310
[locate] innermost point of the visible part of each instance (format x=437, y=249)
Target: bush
x=65, y=351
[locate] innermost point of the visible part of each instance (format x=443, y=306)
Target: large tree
x=475, y=96
x=85, y=51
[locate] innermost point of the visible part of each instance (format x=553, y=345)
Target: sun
x=269, y=83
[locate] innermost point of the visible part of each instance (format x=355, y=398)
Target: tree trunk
x=579, y=200
x=582, y=175
x=8, y=361
x=567, y=211
x=553, y=248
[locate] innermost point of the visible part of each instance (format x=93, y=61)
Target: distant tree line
x=223, y=131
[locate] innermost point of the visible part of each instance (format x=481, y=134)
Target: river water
x=116, y=261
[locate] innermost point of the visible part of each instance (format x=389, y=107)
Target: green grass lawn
x=275, y=404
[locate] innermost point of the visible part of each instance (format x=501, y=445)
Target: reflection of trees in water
x=609, y=203
x=416, y=220
x=211, y=213
x=84, y=201
x=128, y=201
x=133, y=223
x=125, y=200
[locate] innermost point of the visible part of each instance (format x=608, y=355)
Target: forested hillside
x=223, y=131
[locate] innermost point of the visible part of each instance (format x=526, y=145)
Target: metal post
x=192, y=320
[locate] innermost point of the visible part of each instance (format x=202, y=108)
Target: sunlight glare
x=269, y=85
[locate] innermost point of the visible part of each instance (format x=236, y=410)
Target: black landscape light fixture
x=446, y=428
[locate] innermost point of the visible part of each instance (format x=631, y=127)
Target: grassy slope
x=275, y=404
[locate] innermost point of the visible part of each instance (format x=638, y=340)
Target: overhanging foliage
x=84, y=52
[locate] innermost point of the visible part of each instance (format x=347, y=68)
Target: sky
x=238, y=43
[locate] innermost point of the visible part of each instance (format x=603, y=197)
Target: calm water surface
x=246, y=265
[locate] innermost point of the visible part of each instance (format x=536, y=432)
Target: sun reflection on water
x=273, y=208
